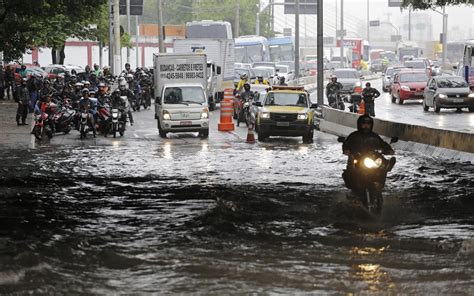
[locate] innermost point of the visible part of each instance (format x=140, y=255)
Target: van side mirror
x=158, y=100
x=219, y=70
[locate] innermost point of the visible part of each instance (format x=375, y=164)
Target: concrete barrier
x=342, y=123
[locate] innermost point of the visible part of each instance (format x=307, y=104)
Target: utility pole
x=136, y=39
x=160, y=28
x=128, y=29
x=117, y=45
x=368, y=22
x=342, y=35
x=297, y=40
x=445, y=35
x=257, y=23
x=111, y=36
x=409, y=24
x=237, y=19
x=320, y=77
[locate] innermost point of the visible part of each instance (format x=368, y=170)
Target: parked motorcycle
x=41, y=126
x=365, y=176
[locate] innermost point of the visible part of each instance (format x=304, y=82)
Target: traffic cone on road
x=227, y=110
x=362, y=107
x=250, y=135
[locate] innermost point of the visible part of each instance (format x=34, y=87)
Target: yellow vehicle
x=286, y=111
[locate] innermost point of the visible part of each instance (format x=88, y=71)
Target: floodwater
x=185, y=215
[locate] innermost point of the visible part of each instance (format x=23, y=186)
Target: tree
x=28, y=24
x=426, y=4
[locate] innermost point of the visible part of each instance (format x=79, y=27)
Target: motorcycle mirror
x=394, y=140
x=341, y=139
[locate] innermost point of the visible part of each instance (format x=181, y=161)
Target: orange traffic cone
x=362, y=107
x=250, y=135
x=227, y=110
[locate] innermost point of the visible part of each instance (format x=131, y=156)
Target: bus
x=281, y=49
x=408, y=49
x=209, y=29
x=454, y=51
x=251, y=49
x=466, y=67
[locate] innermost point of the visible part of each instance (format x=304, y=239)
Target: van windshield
x=184, y=95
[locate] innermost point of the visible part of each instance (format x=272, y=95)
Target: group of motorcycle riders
x=87, y=92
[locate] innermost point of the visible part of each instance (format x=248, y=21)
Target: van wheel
x=160, y=131
x=204, y=134
x=262, y=137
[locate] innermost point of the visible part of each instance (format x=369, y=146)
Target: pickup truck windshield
x=184, y=95
x=286, y=99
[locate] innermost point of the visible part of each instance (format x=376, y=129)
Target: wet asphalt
x=141, y=214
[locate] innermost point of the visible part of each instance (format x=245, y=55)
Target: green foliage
x=427, y=4
x=27, y=24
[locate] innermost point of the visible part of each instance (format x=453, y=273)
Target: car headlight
x=406, y=88
x=303, y=116
x=371, y=164
x=471, y=95
x=166, y=115
x=266, y=115
x=204, y=114
x=442, y=96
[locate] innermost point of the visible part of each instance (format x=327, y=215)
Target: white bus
x=251, y=49
x=209, y=29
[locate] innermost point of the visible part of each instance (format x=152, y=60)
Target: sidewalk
x=12, y=135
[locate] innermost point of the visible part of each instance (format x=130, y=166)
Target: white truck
x=180, y=98
x=220, y=54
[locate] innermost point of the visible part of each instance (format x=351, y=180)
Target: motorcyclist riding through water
x=332, y=88
x=361, y=141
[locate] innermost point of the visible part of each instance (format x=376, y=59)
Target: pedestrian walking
x=23, y=99
x=369, y=95
x=9, y=82
x=2, y=82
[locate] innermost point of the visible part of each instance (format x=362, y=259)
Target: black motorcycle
x=365, y=176
x=63, y=120
x=335, y=101
x=118, y=121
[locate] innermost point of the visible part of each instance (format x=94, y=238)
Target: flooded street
x=180, y=215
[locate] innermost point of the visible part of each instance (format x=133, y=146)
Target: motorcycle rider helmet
x=333, y=78
x=246, y=86
x=116, y=93
x=24, y=81
x=243, y=76
x=122, y=85
x=129, y=76
x=368, y=84
x=92, y=92
x=260, y=77
x=85, y=91
x=365, y=123
x=78, y=85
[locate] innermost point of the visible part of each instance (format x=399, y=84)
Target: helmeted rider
x=361, y=141
x=87, y=74
x=124, y=91
x=128, y=69
x=247, y=94
x=260, y=80
x=243, y=79
x=369, y=95
x=87, y=105
x=282, y=81
x=97, y=71
x=102, y=95
x=117, y=102
x=332, y=88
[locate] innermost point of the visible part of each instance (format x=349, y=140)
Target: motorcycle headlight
x=114, y=114
x=265, y=115
x=442, y=96
x=303, y=116
x=166, y=115
x=204, y=114
x=371, y=164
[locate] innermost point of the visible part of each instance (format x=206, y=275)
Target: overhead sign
x=136, y=7
x=374, y=23
x=306, y=7
x=395, y=3
x=395, y=38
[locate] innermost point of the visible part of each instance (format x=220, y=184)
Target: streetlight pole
x=320, y=39
x=117, y=45
x=297, y=39
x=341, y=37
x=128, y=30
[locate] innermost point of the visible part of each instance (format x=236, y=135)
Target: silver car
x=349, y=78
x=447, y=92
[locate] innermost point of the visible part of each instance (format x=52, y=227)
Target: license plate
x=185, y=122
x=283, y=124
x=458, y=100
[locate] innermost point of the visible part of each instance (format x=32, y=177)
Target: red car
x=408, y=85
